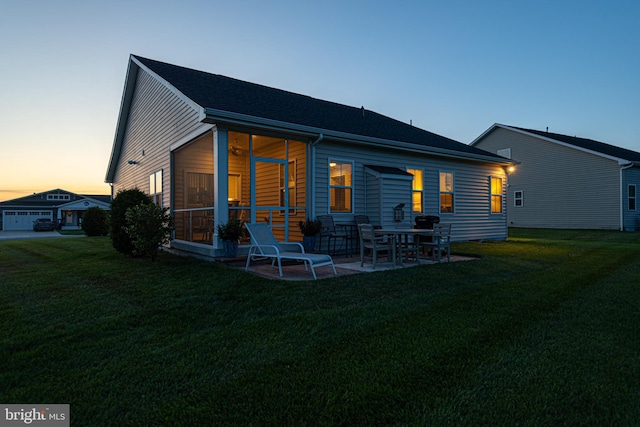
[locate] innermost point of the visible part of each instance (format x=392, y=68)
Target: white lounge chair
x=265, y=245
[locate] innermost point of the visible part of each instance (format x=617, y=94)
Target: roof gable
x=590, y=144
x=622, y=155
x=216, y=92
x=53, y=198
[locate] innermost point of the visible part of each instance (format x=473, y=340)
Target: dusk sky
x=451, y=67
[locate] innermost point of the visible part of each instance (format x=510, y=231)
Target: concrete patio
x=344, y=266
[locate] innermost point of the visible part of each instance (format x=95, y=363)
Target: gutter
x=312, y=173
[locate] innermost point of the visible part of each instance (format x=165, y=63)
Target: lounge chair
x=265, y=245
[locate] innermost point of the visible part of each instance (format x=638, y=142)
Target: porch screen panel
x=193, y=191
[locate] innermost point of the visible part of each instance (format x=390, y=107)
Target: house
x=59, y=205
x=212, y=147
x=566, y=181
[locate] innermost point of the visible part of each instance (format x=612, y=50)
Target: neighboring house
x=565, y=181
x=212, y=147
x=59, y=205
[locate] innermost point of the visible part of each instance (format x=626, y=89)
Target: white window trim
x=453, y=207
x=153, y=192
x=353, y=176
x=423, y=191
x=635, y=198
x=491, y=194
x=516, y=198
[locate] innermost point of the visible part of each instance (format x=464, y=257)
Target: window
x=234, y=187
x=446, y=192
x=496, y=195
x=632, y=197
x=505, y=152
x=58, y=197
x=291, y=185
x=417, y=188
x=155, y=187
x=518, y=198
x=340, y=186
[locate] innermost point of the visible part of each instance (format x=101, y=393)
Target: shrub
x=310, y=227
x=94, y=222
x=149, y=226
x=232, y=230
x=124, y=200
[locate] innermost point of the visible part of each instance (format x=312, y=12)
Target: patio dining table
x=401, y=238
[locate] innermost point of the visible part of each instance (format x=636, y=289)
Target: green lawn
x=542, y=330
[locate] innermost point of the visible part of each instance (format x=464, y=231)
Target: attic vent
x=505, y=152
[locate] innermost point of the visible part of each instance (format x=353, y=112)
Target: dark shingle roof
x=388, y=170
x=227, y=94
x=589, y=144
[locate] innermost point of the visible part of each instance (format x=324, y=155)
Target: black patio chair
x=329, y=230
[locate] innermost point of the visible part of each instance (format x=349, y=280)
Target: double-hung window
x=417, y=189
x=518, y=198
x=340, y=186
x=632, y=197
x=496, y=195
x=155, y=187
x=447, y=193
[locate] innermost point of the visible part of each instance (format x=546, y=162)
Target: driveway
x=29, y=234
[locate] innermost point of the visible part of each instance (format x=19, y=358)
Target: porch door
x=270, y=194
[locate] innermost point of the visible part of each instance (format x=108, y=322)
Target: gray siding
x=382, y=195
x=472, y=219
x=157, y=118
x=631, y=218
x=562, y=187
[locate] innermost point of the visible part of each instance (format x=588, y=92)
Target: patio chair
x=441, y=241
x=265, y=245
x=370, y=241
x=364, y=219
x=329, y=231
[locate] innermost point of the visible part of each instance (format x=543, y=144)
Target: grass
x=542, y=330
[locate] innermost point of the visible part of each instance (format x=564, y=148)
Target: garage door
x=22, y=220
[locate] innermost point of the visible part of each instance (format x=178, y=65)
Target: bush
x=94, y=222
x=124, y=200
x=149, y=226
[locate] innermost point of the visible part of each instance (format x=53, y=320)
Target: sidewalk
x=30, y=234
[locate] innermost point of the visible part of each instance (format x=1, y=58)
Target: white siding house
x=63, y=207
x=566, y=181
x=211, y=147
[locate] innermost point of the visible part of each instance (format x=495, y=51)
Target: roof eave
x=213, y=115
x=125, y=106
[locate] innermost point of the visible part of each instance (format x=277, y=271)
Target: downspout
x=312, y=174
x=622, y=197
